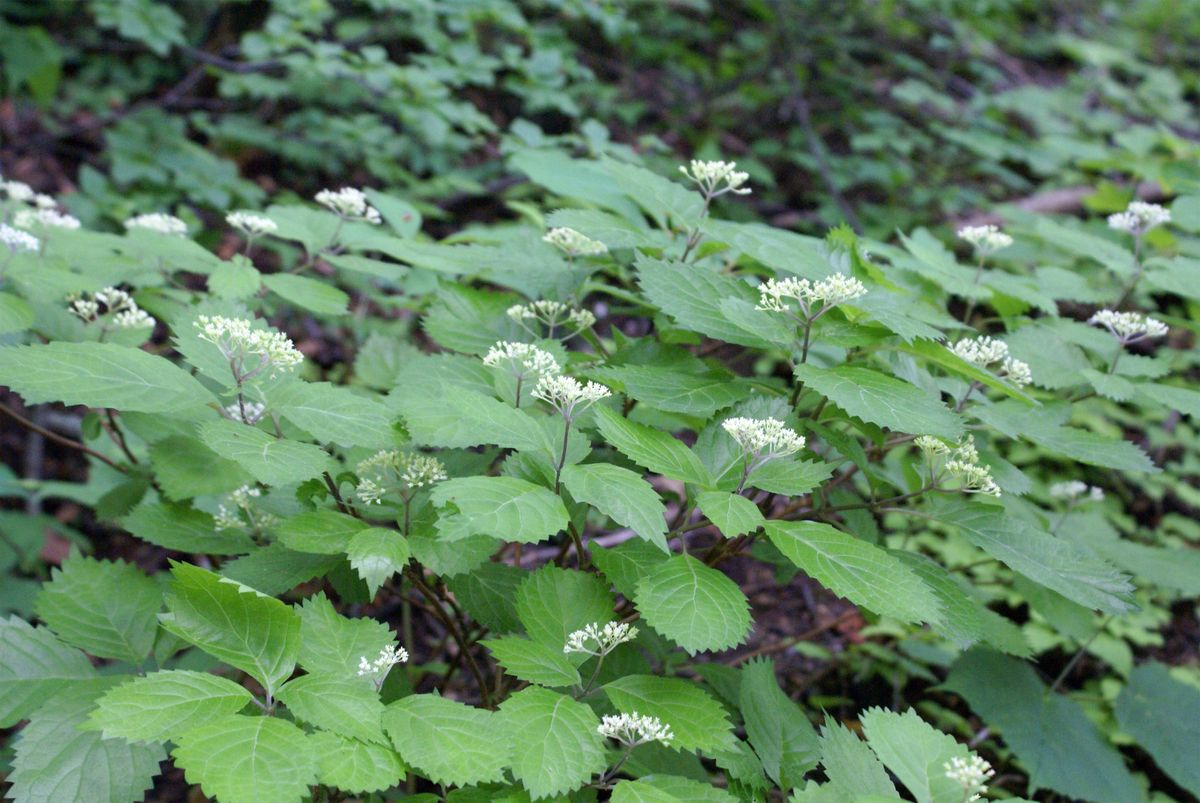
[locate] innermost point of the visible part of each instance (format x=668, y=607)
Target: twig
x=59, y=439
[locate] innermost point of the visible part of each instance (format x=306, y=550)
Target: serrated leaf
x=621, y=495
x=625, y=564
x=533, y=661
x=698, y=394
x=322, y=532
x=560, y=748
x=233, y=623
x=790, y=477
x=915, y=751
x=698, y=721
x=466, y=419
x=100, y=375
x=234, y=279
x=489, y=593
x=652, y=449
x=861, y=572
x=162, y=705
x=553, y=603
x=242, y=759
x=733, y=514
x=1163, y=714
x=184, y=529
x=333, y=414
x=446, y=741
x=851, y=766
x=694, y=605
x=315, y=296
x=275, y=569
x=1019, y=422
x=377, y=554
x=355, y=767
x=669, y=789
x=349, y=707
x=781, y=735
x=271, y=461
x=506, y=508
x=34, y=667
x=185, y=468
x=1185, y=400
x=79, y=605
x=882, y=400
x=692, y=296
x=332, y=644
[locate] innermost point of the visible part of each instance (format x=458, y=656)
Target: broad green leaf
x=310, y=294
x=162, y=705
x=466, y=419
x=692, y=296
x=621, y=495
x=333, y=414
x=377, y=554
x=1163, y=714
x=694, y=605
x=272, y=461
x=1050, y=734
x=939, y=354
x=533, y=661
x=625, y=564
x=776, y=726
x=245, y=629
x=353, y=766
x=236, y=278
x=915, y=752
x=698, y=394
x=669, y=789
x=790, y=477
x=275, y=569
x=505, y=508
x=184, y=529
x=79, y=604
x=15, y=313
x=774, y=247
x=322, y=532
x=1019, y=422
x=660, y=197
x=613, y=231
x=1185, y=400
x=698, y=721
x=652, y=449
x=446, y=741
x=34, y=667
x=185, y=468
x=851, y=766
x=331, y=644
x=559, y=747
x=861, y=572
x=553, y=603
x=348, y=707
x=243, y=759
x=100, y=375
x=733, y=514
x=882, y=400
x=489, y=593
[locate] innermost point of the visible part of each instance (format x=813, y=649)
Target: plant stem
x=562, y=458
x=1137, y=272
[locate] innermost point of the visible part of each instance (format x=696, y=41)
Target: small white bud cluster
x=931, y=446
x=45, y=217
x=246, y=412
x=634, y=729
x=1075, y=491
x=349, y=203
x=567, y=395
x=986, y=351
x=521, y=359
x=973, y=477
x=835, y=289
x=985, y=239
x=1139, y=217
x=763, y=439
x=117, y=307
x=1129, y=327
x=971, y=775
x=716, y=178
x=237, y=340
x=573, y=243
x=16, y=240
x=251, y=224
x=157, y=221
x=43, y=201
x=17, y=191
x=378, y=669
x=551, y=314
x=237, y=510
x=606, y=638
x=391, y=468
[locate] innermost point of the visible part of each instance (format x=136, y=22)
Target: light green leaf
x=1185, y=400
x=15, y=313
x=377, y=554
x=1019, y=422
x=242, y=759
x=333, y=414
x=660, y=197
x=781, y=735
x=734, y=515
x=315, y=296
x=698, y=721
x=851, y=766
x=489, y=594
x=625, y=564
x=355, y=767
x=621, y=495
x=560, y=748
x=694, y=605
x=446, y=741
x=322, y=532
x=553, y=603
x=692, y=295
x=652, y=449
x=669, y=789
x=506, y=508
x=162, y=705
x=272, y=461
x=1163, y=714
x=533, y=661
x=882, y=400
x=184, y=529
x=939, y=354
x=790, y=477
x=186, y=468
x=34, y=667
x=699, y=394
x=466, y=419
x=349, y=707
x=332, y=644
x=915, y=751
x=275, y=569
x=234, y=279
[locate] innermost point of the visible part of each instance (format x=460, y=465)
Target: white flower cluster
x=985, y=239
x=124, y=311
x=378, y=669
x=45, y=217
x=606, y=638
x=16, y=240
x=931, y=446
x=971, y=775
x=392, y=468
x=551, y=314
x=573, y=243
x=567, y=395
x=250, y=224
x=763, y=439
x=835, y=289
x=157, y=221
x=246, y=412
x=716, y=178
x=634, y=729
x=522, y=359
x=237, y=340
x=349, y=203
x=985, y=351
x=1128, y=327
x=1074, y=491
x=973, y=477
x=18, y=191
x=1139, y=217
x=238, y=509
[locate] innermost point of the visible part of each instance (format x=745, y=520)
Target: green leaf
x=315, y=296
x=698, y=394
x=466, y=419
x=184, y=529
x=1051, y=735
x=275, y=569
x=652, y=449
x=882, y=400
x=506, y=508
x=698, y=721
x=234, y=279
x=861, y=572
x=1018, y=421
x=560, y=748
x=692, y=296
x=1057, y=564
x=322, y=532
x=353, y=766
x=185, y=468
x=15, y=314
x=553, y=603
x=79, y=604
x=1164, y=716
x=1185, y=400
x=162, y=705
x=350, y=708
x=332, y=644
x=242, y=759
x=625, y=564
x=235, y=624
x=851, y=766
x=781, y=735
x=489, y=594
x=669, y=789
x=915, y=752
x=939, y=354
x=35, y=667
x=446, y=741
x=271, y=461
x=790, y=477
x=694, y=605
x=335, y=414
x=533, y=661
x=660, y=197
x=734, y=515
x=100, y=375
x=621, y=495
x=377, y=554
